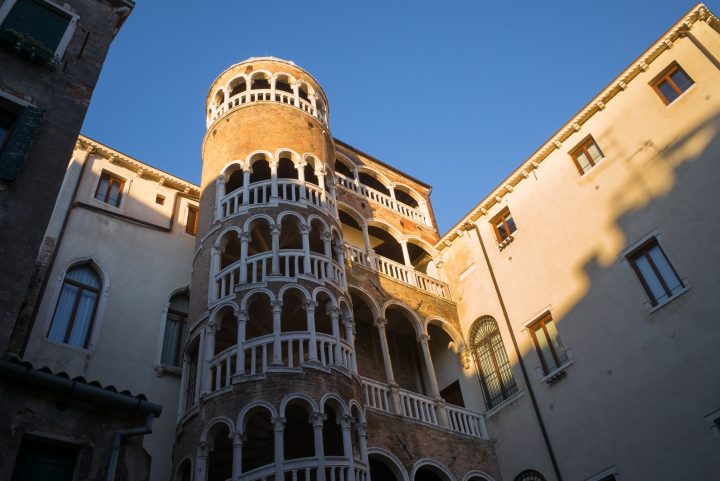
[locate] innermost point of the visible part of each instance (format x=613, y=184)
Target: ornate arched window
x=529, y=475
x=492, y=362
x=75, y=311
x=175, y=330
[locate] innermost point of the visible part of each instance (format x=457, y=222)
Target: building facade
x=299, y=317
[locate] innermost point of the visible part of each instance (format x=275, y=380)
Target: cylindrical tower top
x=266, y=79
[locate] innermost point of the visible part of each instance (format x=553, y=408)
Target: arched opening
x=303, y=92
x=184, y=471
x=75, y=310
x=290, y=235
x=234, y=181
x=332, y=432
x=430, y=473
x=408, y=369
x=419, y=257
x=337, y=246
x=370, y=181
x=229, y=249
x=529, y=475
x=342, y=168
x=310, y=176
x=219, y=98
x=282, y=84
x=260, y=319
x=260, y=82
x=323, y=321
x=317, y=229
x=351, y=229
x=448, y=371
x=488, y=350
x=286, y=169
x=260, y=237
x=357, y=421
x=192, y=367
x=320, y=105
x=405, y=197
x=383, y=470
x=385, y=244
x=258, y=446
x=238, y=86
x=260, y=172
x=226, y=330
x=368, y=353
x=221, y=452
x=299, y=440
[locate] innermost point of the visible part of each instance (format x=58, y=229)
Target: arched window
x=529, y=475
x=75, y=311
x=492, y=362
x=175, y=330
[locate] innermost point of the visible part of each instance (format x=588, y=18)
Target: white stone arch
x=345, y=306
x=296, y=395
x=375, y=309
x=392, y=230
x=231, y=83
x=296, y=287
x=188, y=458
x=477, y=473
x=354, y=404
x=251, y=220
x=325, y=290
x=392, y=462
x=258, y=73
x=291, y=213
x=212, y=425
x=291, y=78
x=313, y=217
x=308, y=87
x=244, y=303
x=420, y=463
x=379, y=176
x=294, y=156
x=213, y=99
x=213, y=318
x=416, y=322
x=249, y=407
x=427, y=247
x=104, y=293
x=352, y=212
x=227, y=230
x=256, y=155
x=229, y=168
x=335, y=397
x=449, y=329
x=409, y=191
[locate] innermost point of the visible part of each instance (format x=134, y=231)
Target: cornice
x=699, y=13
x=142, y=169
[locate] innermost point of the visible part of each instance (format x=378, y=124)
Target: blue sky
x=455, y=93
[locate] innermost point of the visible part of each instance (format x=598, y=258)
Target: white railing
x=421, y=408
x=465, y=421
x=288, y=190
x=257, y=356
x=397, y=271
x=418, y=407
x=377, y=395
x=265, y=95
x=382, y=199
x=305, y=469
x=291, y=264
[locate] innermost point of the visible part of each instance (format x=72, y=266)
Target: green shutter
x=20, y=142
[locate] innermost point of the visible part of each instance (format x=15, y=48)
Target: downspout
x=471, y=225
x=117, y=439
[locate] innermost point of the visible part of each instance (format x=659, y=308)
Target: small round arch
x=311, y=404
x=434, y=466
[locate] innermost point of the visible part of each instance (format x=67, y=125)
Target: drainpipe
x=117, y=439
x=471, y=225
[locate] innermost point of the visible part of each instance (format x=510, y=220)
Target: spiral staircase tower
x=270, y=388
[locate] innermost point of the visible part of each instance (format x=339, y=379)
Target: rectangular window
x=110, y=188
x=586, y=155
x=547, y=343
x=670, y=84
x=503, y=224
x=656, y=274
x=44, y=459
x=18, y=129
x=36, y=30
x=192, y=218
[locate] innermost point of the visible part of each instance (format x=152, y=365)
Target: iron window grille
x=493, y=365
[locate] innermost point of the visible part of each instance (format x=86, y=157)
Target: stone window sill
x=557, y=373
x=505, y=403
x=652, y=309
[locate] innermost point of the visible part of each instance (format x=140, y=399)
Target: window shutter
x=20, y=142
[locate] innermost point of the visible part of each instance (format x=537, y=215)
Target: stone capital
x=380, y=322
x=423, y=338
x=276, y=305
x=333, y=311
x=310, y=305
x=278, y=424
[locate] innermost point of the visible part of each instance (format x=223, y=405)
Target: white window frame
x=160, y=367
x=69, y=31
